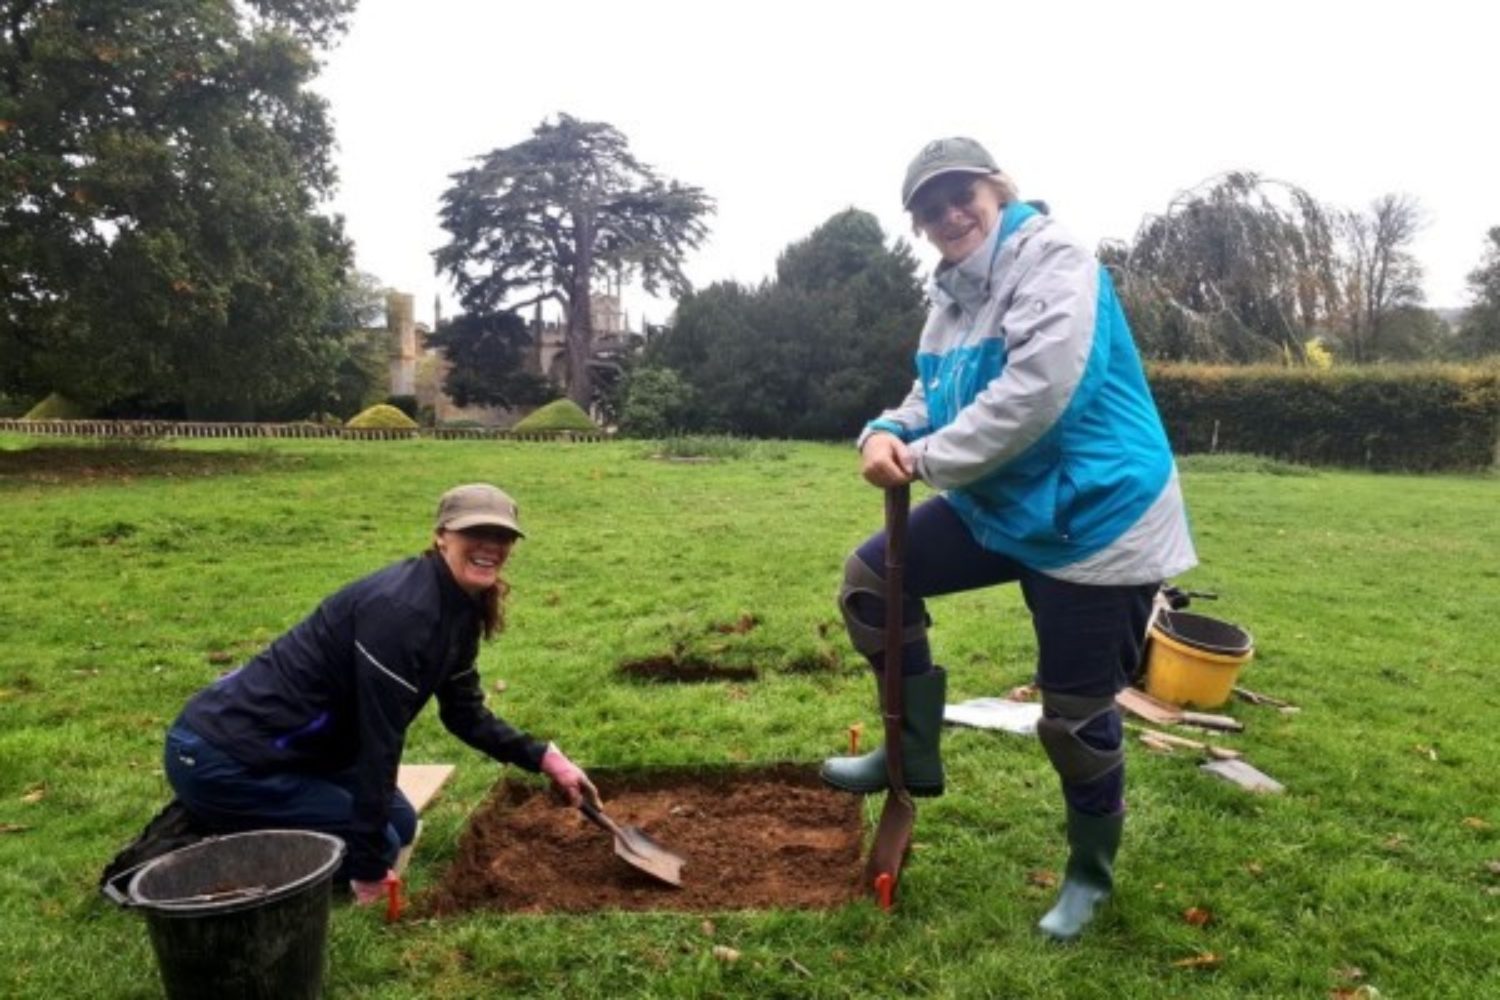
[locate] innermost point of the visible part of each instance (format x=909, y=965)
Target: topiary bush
x=381, y=416
x=558, y=415
x=56, y=407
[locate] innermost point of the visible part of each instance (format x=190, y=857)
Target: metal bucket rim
x=171, y=908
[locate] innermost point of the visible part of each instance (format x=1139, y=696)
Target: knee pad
x=862, y=602
x=1063, y=716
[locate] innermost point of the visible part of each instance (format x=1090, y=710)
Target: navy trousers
x=226, y=796
x=1089, y=638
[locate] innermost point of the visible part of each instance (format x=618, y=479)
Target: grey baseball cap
x=476, y=504
x=955, y=155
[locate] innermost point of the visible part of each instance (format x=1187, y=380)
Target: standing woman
x=1031, y=412
x=308, y=734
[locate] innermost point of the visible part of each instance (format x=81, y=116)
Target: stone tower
x=400, y=321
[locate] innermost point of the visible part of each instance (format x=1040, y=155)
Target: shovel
x=638, y=850
x=899, y=815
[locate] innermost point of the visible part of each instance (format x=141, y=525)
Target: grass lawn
x=134, y=576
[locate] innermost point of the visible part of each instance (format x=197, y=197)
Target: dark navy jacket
x=339, y=690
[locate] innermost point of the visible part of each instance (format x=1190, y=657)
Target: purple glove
x=568, y=778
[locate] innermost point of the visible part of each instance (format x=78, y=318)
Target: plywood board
x=420, y=782
x=1244, y=774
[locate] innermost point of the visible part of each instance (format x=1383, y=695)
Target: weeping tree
x=541, y=220
x=1237, y=269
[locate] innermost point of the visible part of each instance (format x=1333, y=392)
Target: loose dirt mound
x=752, y=839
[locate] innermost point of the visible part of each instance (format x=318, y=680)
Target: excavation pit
x=753, y=838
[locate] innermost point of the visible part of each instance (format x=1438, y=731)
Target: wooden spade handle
x=897, y=503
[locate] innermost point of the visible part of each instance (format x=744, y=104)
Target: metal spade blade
x=637, y=849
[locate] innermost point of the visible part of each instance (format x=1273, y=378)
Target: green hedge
x=1414, y=418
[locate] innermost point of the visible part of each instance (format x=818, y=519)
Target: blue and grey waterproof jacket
x=1030, y=408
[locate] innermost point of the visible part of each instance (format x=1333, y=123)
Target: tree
x=160, y=165
x=658, y=402
x=351, y=368
x=487, y=353
x=1237, y=269
x=815, y=353
x=1479, y=331
x=540, y=220
x=1384, y=279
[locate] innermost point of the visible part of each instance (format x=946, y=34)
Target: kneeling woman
x=309, y=733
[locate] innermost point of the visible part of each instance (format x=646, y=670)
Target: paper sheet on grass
x=421, y=782
x=1019, y=717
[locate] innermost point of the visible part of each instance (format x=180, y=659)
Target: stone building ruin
x=418, y=370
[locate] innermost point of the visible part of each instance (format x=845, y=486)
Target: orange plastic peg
x=885, y=886
x=854, y=732
x=392, y=900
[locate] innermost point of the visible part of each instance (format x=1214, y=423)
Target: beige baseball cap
x=476, y=504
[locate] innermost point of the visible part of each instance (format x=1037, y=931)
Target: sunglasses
x=932, y=207
x=488, y=533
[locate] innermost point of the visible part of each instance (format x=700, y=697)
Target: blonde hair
x=1004, y=186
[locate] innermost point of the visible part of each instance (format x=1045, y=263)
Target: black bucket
x=1205, y=633
x=244, y=915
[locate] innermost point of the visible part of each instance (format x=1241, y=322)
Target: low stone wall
x=167, y=429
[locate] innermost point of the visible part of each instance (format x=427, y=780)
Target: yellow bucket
x=1195, y=660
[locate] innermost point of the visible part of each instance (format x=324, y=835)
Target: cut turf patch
x=668, y=669
x=752, y=838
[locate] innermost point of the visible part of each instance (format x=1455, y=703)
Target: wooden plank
x=1139, y=703
x=1172, y=739
x=1205, y=720
x=1256, y=698
x=420, y=782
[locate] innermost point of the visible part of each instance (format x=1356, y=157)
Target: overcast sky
x=786, y=112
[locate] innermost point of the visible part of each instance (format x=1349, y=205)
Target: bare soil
x=70, y=463
x=756, y=838
x=685, y=670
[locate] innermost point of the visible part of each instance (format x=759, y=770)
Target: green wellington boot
x=1094, y=841
x=923, y=697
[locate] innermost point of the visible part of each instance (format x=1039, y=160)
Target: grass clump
x=715, y=447
x=1233, y=462
x=56, y=407
x=558, y=415
x=381, y=416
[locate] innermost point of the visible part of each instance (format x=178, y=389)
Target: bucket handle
x=111, y=890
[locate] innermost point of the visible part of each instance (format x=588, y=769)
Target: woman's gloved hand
x=568, y=779
x=366, y=893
